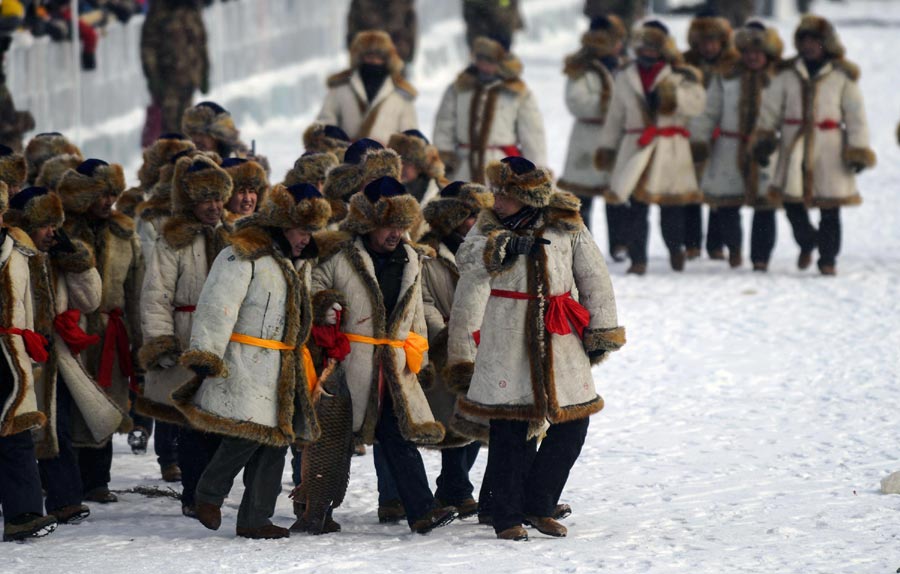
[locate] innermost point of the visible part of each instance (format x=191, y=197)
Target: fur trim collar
x=563, y=213
x=252, y=242
x=467, y=81
x=343, y=79
x=179, y=231
x=846, y=67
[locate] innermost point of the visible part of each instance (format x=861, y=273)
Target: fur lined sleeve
x=857, y=149
x=78, y=262
x=323, y=300
x=83, y=284
x=458, y=376
x=686, y=96
x=770, y=109
x=595, y=292
x=611, y=134
x=155, y=349
x=599, y=343
x=702, y=126
x=530, y=130
x=469, y=300
x=496, y=258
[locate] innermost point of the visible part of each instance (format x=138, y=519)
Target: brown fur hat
x=415, y=149
x=92, y=179
x=709, y=27
x=347, y=178
x=755, y=35
x=379, y=42
x=321, y=138
x=209, y=118
x=33, y=208
x=456, y=203
x=246, y=173
x=158, y=154
x=602, y=41
x=43, y=147
x=4, y=197
x=519, y=178
x=379, y=163
x=311, y=168
x=822, y=29
x=654, y=34
x=298, y=206
x=493, y=51
x=13, y=170
x=198, y=179
x=54, y=168
x=383, y=203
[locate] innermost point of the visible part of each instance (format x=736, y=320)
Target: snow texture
x=746, y=423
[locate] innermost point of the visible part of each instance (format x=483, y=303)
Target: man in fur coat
x=156, y=156
x=520, y=266
x=813, y=115
x=589, y=85
x=176, y=273
x=374, y=274
x=371, y=99
x=248, y=351
x=488, y=113
x=645, y=141
x=722, y=134
x=250, y=187
x=43, y=147
x=364, y=161
x=450, y=216
x=20, y=482
x=712, y=52
x=64, y=284
x=88, y=194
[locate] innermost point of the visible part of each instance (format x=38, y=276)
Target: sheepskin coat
x=662, y=171
x=117, y=251
x=519, y=370
x=731, y=178
x=475, y=121
x=18, y=404
x=60, y=283
x=346, y=106
x=348, y=274
x=813, y=161
x=176, y=273
x=252, y=392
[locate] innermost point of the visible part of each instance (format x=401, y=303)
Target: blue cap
x=519, y=165
x=358, y=149
x=384, y=187
x=452, y=189
x=21, y=199
x=335, y=132
x=89, y=166
x=301, y=191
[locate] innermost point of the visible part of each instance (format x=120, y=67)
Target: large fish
x=325, y=464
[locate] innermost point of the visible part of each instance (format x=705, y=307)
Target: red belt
x=66, y=324
x=719, y=132
x=649, y=133
x=35, y=343
x=511, y=150
x=186, y=309
x=823, y=125
x=561, y=311
x=115, y=342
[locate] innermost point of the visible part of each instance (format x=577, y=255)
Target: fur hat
x=755, y=35
x=709, y=25
x=297, y=206
x=655, y=35
x=311, y=168
x=92, y=179
x=45, y=146
x=374, y=162
x=605, y=32
x=209, y=118
x=519, y=178
x=456, y=203
x=4, y=197
x=824, y=30
x=12, y=167
x=378, y=42
x=321, y=138
x=158, y=154
x=33, y=208
x=414, y=148
x=246, y=173
x=54, y=168
x=383, y=203
x=198, y=179
x=496, y=50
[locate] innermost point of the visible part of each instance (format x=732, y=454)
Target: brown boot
x=546, y=525
x=465, y=508
x=102, y=495
x=561, y=511
x=717, y=255
x=637, y=269
x=761, y=266
x=391, y=512
x=171, y=473
x=72, y=514
x=486, y=519
x=359, y=450
x=209, y=515
x=692, y=253
x=804, y=260
x=828, y=270
x=267, y=532
x=28, y=525
x=735, y=259
x=516, y=533
x=676, y=260
x=435, y=518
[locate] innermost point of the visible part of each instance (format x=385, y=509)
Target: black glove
x=525, y=245
x=63, y=244
x=201, y=371
x=88, y=61
x=653, y=101
x=763, y=149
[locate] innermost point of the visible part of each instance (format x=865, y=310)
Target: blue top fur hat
x=299, y=206
x=457, y=202
x=519, y=178
x=383, y=203
x=321, y=138
x=81, y=187
x=34, y=208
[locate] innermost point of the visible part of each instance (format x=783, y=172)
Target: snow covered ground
x=748, y=421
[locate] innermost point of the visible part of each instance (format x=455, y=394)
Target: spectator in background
x=491, y=18
x=13, y=123
x=396, y=17
x=630, y=11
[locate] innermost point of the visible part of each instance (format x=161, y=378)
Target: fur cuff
x=604, y=159
x=155, y=349
x=495, y=259
x=699, y=151
x=322, y=302
x=764, y=143
x=197, y=358
x=668, y=98
x=426, y=377
x=859, y=156
x=79, y=262
x=598, y=343
x=458, y=376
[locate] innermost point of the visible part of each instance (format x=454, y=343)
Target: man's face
x=298, y=239
x=504, y=205
x=647, y=53
x=811, y=48
x=209, y=212
x=386, y=239
x=408, y=173
x=102, y=208
x=204, y=142
x=14, y=189
x=466, y=226
x=710, y=48
x=44, y=237
x=373, y=59
x=754, y=59
x=486, y=67
x=243, y=201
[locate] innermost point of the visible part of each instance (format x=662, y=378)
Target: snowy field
x=748, y=421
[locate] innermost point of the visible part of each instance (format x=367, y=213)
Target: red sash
x=719, y=132
x=823, y=125
x=186, y=309
x=35, y=343
x=649, y=133
x=115, y=342
x=66, y=324
x=511, y=150
x=562, y=311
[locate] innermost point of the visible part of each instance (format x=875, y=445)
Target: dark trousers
x=829, y=235
x=95, y=465
x=805, y=234
x=20, y=480
x=387, y=486
x=453, y=484
x=724, y=229
x=671, y=224
x=61, y=476
x=528, y=481
x=165, y=445
x=587, y=204
x=617, y=223
x=262, y=466
x=762, y=235
x=693, y=226
x=195, y=449
x=405, y=464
